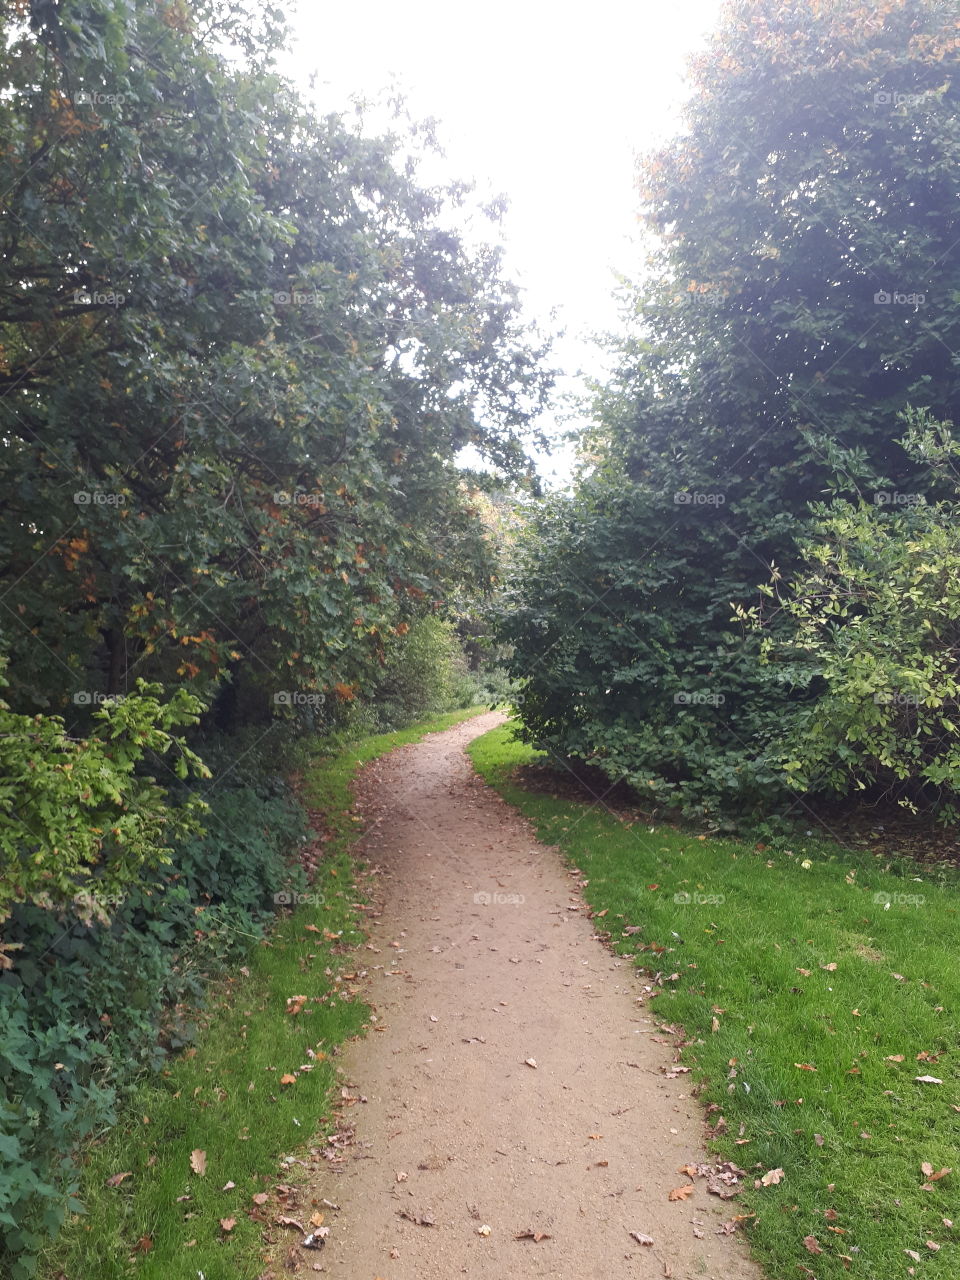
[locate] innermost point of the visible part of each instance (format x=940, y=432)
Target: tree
x=800, y=294
x=241, y=353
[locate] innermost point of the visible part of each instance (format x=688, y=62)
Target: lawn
x=169, y=1191
x=816, y=993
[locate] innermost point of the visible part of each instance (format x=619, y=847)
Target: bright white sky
x=545, y=103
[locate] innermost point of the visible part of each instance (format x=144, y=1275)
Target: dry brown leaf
x=144, y=1244
x=117, y=1179
x=535, y=1236
x=260, y=1198
x=773, y=1177
x=926, y=1080
x=894, y=1057
x=811, y=1243
x=288, y=1079
x=681, y=1193
x=228, y=1224
x=198, y=1162
x=295, y=1003
x=829, y=967
x=689, y=1169
x=804, y=1066
x=640, y=1238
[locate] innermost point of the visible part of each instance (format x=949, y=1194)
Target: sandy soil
x=489, y=965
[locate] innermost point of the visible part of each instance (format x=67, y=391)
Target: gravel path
x=488, y=968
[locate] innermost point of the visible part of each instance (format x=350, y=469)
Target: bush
x=89, y=1005
x=876, y=610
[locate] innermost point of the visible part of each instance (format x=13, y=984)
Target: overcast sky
x=547, y=105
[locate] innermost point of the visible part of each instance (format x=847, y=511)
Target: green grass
x=734, y=952
x=225, y=1097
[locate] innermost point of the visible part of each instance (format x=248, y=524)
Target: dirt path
x=586, y=1145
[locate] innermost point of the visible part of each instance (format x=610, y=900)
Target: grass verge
x=253, y=1097
x=815, y=986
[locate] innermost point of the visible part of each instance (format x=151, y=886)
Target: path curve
x=470, y=989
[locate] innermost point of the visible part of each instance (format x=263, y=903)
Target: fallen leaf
x=535, y=1236
x=198, y=1162
x=932, y=1244
x=144, y=1244
x=260, y=1198
x=894, y=1057
x=912, y=1253
x=690, y=1170
x=772, y=1177
x=117, y=1179
x=228, y=1223
x=288, y=1079
x=295, y=1004
x=681, y=1193
x=421, y=1219
x=228, y=1186
x=804, y=1066
x=818, y=1139
x=829, y=967
x=811, y=1243
x=927, y=1080
x=640, y=1238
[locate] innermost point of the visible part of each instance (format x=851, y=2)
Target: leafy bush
x=876, y=610
x=104, y=998
x=81, y=820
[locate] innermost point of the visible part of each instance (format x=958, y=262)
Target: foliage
x=82, y=824
x=241, y=352
x=876, y=622
x=800, y=294
x=91, y=1004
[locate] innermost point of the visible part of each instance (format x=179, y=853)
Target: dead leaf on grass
x=198, y=1162
x=773, y=1177
x=811, y=1243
